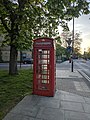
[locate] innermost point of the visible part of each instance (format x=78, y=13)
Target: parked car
x=27, y=61
x=58, y=60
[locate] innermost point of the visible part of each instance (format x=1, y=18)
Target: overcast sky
x=82, y=24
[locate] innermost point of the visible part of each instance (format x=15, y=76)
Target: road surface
x=81, y=65
x=23, y=66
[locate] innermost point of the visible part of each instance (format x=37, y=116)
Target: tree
x=88, y=53
x=60, y=50
x=14, y=19
x=77, y=40
x=0, y=55
x=24, y=20
x=77, y=43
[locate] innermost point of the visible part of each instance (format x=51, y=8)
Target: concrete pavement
x=71, y=101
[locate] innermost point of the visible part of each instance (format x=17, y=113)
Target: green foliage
x=88, y=53
x=60, y=50
x=77, y=43
x=13, y=89
x=14, y=19
x=66, y=9
x=36, y=18
x=58, y=40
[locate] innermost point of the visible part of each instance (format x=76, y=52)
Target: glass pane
x=44, y=61
x=40, y=50
x=44, y=56
x=44, y=71
x=44, y=81
x=45, y=51
x=48, y=52
x=44, y=66
x=44, y=76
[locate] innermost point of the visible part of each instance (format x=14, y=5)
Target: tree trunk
x=0, y=55
x=13, y=60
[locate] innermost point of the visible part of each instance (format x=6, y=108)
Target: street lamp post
x=72, y=48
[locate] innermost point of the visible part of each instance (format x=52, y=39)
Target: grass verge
x=13, y=89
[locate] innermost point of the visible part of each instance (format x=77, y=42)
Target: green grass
x=13, y=89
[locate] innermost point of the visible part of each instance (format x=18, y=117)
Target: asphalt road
x=84, y=66
x=80, y=64
x=23, y=66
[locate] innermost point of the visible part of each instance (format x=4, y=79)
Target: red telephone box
x=44, y=67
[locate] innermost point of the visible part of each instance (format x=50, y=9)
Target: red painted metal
x=44, y=67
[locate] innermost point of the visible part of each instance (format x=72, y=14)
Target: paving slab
x=87, y=100
x=63, y=106
x=86, y=108
x=12, y=116
x=69, y=102
x=73, y=106
x=73, y=98
x=50, y=114
x=68, y=74
x=72, y=115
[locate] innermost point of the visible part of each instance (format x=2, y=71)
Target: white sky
x=82, y=25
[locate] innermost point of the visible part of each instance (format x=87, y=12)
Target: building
x=5, y=53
